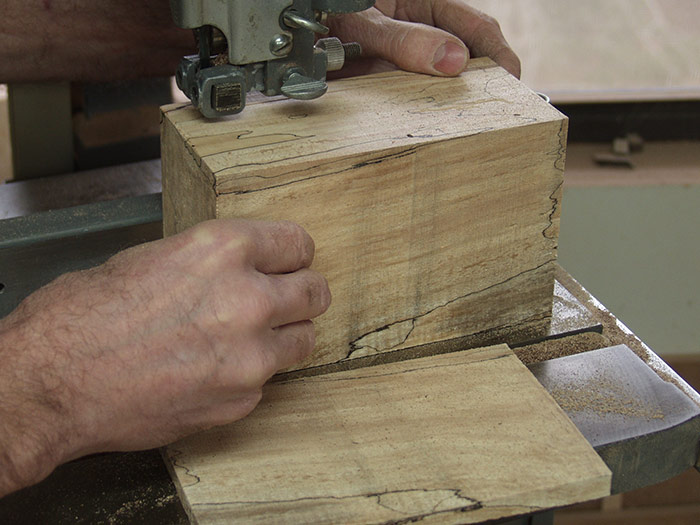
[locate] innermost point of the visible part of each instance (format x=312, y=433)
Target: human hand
x=436, y=37
x=162, y=340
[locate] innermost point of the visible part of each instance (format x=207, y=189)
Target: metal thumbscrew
x=281, y=45
x=338, y=53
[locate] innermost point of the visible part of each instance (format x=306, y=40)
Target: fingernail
x=450, y=58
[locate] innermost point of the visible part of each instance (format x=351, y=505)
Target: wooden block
x=434, y=202
x=454, y=438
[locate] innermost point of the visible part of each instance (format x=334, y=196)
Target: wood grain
x=434, y=202
x=457, y=438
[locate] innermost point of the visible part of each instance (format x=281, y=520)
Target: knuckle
x=255, y=396
x=254, y=370
x=295, y=237
x=225, y=238
x=490, y=22
x=246, y=403
x=327, y=297
x=205, y=233
x=251, y=399
x=238, y=244
x=309, y=337
x=401, y=38
x=316, y=292
x=245, y=303
x=303, y=340
x=308, y=341
x=261, y=306
x=264, y=366
x=292, y=228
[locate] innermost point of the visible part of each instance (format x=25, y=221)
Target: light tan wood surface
x=456, y=438
x=433, y=202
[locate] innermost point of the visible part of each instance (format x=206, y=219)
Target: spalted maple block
x=433, y=202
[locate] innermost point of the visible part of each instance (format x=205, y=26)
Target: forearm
x=89, y=40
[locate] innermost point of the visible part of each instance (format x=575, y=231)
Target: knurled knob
x=335, y=54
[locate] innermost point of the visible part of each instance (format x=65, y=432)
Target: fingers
x=430, y=36
x=280, y=348
x=262, y=270
x=480, y=32
x=411, y=46
x=280, y=247
x=266, y=294
x=246, y=371
x=270, y=247
x=298, y=296
x=292, y=343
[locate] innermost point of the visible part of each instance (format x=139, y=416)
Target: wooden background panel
x=457, y=438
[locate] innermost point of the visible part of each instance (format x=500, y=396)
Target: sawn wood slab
x=456, y=438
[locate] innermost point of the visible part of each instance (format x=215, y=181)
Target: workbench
x=645, y=429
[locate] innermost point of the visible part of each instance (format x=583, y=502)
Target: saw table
x=638, y=414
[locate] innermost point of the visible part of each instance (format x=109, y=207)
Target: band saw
x=272, y=48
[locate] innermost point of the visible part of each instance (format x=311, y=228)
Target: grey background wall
x=634, y=243
x=637, y=249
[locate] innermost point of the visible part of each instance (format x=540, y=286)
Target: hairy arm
x=164, y=339
x=436, y=37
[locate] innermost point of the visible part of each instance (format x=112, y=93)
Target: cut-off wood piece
x=456, y=438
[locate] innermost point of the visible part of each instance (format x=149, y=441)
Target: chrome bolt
x=281, y=45
x=295, y=20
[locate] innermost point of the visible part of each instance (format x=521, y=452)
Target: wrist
x=34, y=436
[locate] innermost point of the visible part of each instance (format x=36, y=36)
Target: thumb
x=412, y=47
